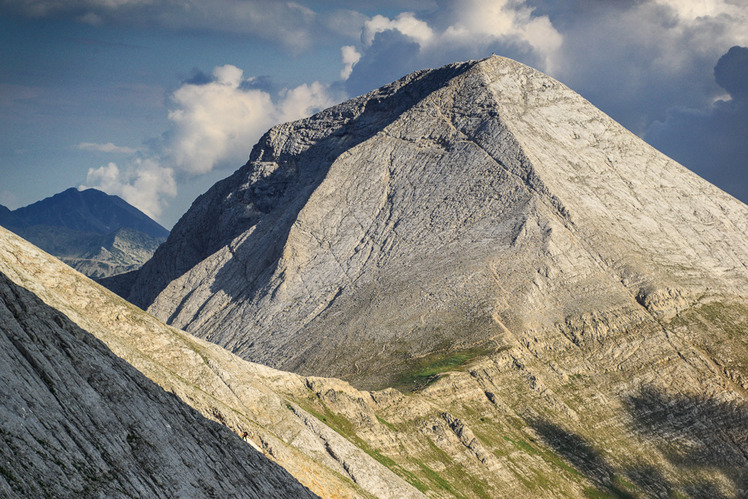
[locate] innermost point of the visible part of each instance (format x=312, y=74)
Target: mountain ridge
x=77, y=419
x=542, y=418
x=561, y=310
x=88, y=210
x=488, y=200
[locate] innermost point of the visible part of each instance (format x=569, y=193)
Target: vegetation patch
x=426, y=370
x=385, y=423
x=437, y=479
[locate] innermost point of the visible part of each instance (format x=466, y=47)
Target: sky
x=156, y=100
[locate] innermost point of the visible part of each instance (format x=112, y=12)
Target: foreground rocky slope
x=79, y=421
x=67, y=381
x=657, y=412
x=95, y=233
x=458, y=211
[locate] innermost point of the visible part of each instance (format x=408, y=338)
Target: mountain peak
x=79, y=226
x=457, y=209
x=88, y=210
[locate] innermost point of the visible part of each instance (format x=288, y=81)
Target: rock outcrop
x=75, y=407
x=458, y=211
x=77, y=421
x=657, y=412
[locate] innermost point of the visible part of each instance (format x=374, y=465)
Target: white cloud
x=216, y=122
x=303, y=101
x=469, y=27
x=693, y=10
x=143, y=183
x=458, y=30
x=350, y=57
x=213, y=124
x=106, y=148
x=406, y=23
x=481, y=21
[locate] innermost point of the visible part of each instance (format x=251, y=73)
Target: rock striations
x=658, y=413
x=458, y=211
x=77, y=421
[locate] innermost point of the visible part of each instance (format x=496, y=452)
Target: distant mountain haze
x=89, y=210
x=94, y=232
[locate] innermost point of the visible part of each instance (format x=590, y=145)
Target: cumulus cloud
x=459, y=30
x=105, y=148
x=637, y=59
x=406, y=23
x=485, y=21
x=350, y=57
x=303, y=101
x=142, y=183
x=215, y=121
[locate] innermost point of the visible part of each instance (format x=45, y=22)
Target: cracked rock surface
x=77, y=421
x=457, y=209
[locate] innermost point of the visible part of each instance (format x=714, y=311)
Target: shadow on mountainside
x=695, y=432
x=270, y=205
x=280, y=196
x=78, y=420
x=699, y=436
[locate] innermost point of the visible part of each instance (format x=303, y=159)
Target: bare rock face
x=464, y=209
x=79, y=421
x=658, y=409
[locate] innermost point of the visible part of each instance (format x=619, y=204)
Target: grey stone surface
x=245, y=398
x=447, y=211
x=77, y=421
x=562, y=309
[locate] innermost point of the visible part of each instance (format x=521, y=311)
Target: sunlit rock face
x=560, y=309
x=79, y=421
x=470, y=207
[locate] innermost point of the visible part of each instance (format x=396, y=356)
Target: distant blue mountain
x=93, y=232
x=89, y=211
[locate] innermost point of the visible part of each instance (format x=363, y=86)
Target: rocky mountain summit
x=93, y=232
x=462, y=211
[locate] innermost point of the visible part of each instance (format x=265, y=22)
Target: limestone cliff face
x=656, y=410
x=77, y=421
x=465, y=209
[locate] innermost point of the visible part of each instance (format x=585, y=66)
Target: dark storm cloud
x=714, y=142
x=731, y=72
